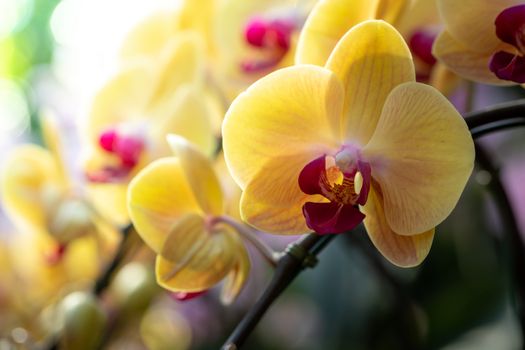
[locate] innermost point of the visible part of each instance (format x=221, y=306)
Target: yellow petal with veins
x=239, y=273
x=186, y=115
x=464, y=61
x=157, y=198
x=422, y=155
x=199, y=175
x=192, y=258
x=403, y=251
x=471, y=22
x=273, y=201
x=289, y=112
x=31, y=186
x=371, y=59
x=326, y=25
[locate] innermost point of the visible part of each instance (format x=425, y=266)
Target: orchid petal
x=328, y=21
x=182, y=62
x=443, y=79
x=465, y=62
x=331, y=217
x=420, y=14
x=110, y=201
x=273, y=200
x=30, y=185
x=391, y=10
x=230, y=189
x=404, y=251
x=193, y=259
x=157, y=197
x=122, y=99
x=51, y=137
x=199, y=175
x=471, y=22
x=186, y=115
x=371, y=59
x=237, y=277
x=198, y=16
x=422, y=155
x=289, y=112
x=150, y=36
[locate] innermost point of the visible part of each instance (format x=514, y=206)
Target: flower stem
x=296, y=257
x=249, y=234
x=516, y=243
x=497, y=117
x=105, y=278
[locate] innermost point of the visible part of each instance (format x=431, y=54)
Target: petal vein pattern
x=290, y=111
x=422, y=155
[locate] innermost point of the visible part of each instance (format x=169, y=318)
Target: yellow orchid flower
x=331, y=19
x=318, y=148
x=175, y=205
x=40, y=198
x=255, y=38
x=40, y=279
x=483, y=40
x=417, y=20
x=150, y=36
x=61, y=241
x=134, y=111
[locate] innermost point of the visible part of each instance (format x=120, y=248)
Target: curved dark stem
x=496, y=113
x=405, y=305
x=497, y=117
x=511, y=228
x=105, y=278
x=297, y=256
x=497, y=126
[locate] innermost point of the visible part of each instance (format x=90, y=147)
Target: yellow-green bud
x=133, y=287
x=71, y=219
x=83, y=321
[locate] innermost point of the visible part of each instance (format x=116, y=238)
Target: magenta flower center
x=510, y=28
x=183, y=296
x=344, y=182
x=271, y=39
x=420, y=44
x=127, y=148
x=55, y=255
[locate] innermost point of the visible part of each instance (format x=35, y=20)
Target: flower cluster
x=229, y=120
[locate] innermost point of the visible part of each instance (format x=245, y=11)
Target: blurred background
x=55, y=54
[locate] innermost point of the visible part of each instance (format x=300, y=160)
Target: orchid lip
x=56, y=254
x=184, y=296
x=272, y=38
x=127, y=148
x=510, y=28
x=337, y=182
x=420, y=44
